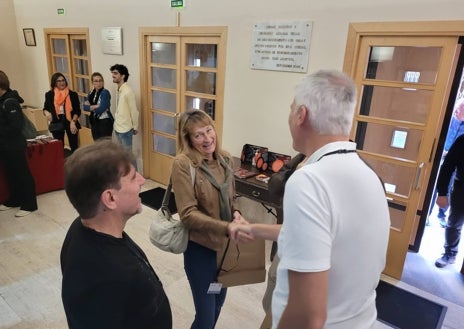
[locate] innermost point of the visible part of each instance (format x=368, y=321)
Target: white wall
x=9, y=44
x=256, y=101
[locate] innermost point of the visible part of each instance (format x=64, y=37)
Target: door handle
x=418, y=175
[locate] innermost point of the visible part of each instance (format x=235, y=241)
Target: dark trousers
x=20, y=180
x=102, y=128
x=200, y=267
x=441, y=211
x=455, y=219
x=72, y=138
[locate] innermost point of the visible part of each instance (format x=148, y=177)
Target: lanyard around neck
x=341, y=151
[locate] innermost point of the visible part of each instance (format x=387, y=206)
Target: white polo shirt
x=336, y=219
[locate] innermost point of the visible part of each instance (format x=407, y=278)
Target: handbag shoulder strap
x=167, y=193
x=192, y=173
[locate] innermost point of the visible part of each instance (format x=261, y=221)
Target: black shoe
x=445, y=260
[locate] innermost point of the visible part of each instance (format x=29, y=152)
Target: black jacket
x=454, y=160
x=11, y=122
x=49, y=104
x=277, y=181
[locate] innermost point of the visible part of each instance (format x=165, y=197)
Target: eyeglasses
x=61, y=80
x=97, y=81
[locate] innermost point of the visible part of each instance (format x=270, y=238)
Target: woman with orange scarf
x=62, y=105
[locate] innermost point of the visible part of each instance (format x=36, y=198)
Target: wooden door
x=68, y=52
x=164, y=103
x=182, y=72
x=403, y=84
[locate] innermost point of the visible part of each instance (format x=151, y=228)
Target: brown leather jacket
x=198, y=204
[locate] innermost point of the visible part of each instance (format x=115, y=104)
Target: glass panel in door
x=79, y=47
x=402, y=104
x=162, y=60
x=412, y=64
x=199, y=103
x=163, y=77
x=200, y=77
x=163, y=82
x=201, y=55
x=201, y=82
x=61, y=65
x=164, y=100
x=59, y=46
x=81, y=73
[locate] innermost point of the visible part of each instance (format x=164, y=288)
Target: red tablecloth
x=46, y=162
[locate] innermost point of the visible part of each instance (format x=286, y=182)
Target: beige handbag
x=166, y=232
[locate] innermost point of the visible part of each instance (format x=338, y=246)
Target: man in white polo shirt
x=333, y=241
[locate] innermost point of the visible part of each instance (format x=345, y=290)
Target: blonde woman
x=207, y=207
x=98, y=103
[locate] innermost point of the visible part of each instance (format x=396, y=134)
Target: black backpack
x=28, y=131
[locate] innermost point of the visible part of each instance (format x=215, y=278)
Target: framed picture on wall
x=29, y=37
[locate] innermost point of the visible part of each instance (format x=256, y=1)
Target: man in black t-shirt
x=107, y=279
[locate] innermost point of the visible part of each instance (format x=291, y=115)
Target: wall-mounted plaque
x=281, y=46
x=112, y=40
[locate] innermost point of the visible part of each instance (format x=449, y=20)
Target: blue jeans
x=125, y=139
x=201, y=269
x=455, y=219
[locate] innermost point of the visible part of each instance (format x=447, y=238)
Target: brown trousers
x=267, y=299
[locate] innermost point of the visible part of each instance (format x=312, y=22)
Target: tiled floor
x=420, y=270
x=30, y=276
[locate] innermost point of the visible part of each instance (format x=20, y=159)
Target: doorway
x=420, y=270
x=404, y=72
x=68, y=52
x=183, y=68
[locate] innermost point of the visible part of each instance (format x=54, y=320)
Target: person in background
x=62, y=104
x=13, y=152
x=206, y=207
x=98, y=103
x=452, y=169
x=127, y=115
x=107, y=279
x=456, y=129
x=333, y=241
x=276, y=187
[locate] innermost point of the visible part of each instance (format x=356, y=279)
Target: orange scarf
x=61, y=98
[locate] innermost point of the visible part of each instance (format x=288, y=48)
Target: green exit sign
x=177, y=3
x=60, y=11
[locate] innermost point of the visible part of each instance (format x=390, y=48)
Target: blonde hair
x=187, y=121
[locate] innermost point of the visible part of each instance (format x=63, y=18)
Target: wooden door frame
x=65, y=31
x=421, y=28
x=357, y=31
